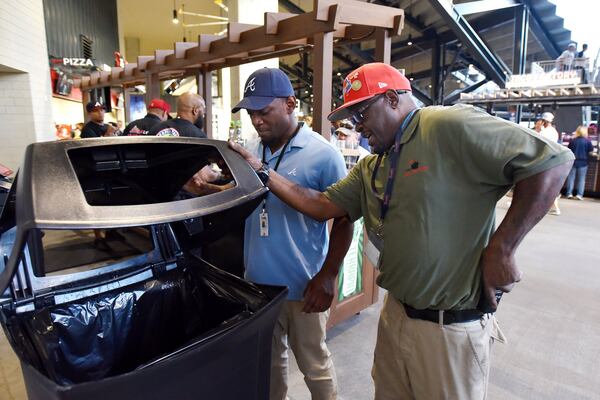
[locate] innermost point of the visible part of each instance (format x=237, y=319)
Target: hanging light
x=175, y=18
x=410, y=43
x=220, y=4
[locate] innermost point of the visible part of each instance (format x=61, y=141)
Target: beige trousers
x=416, y=359
x=305, y=335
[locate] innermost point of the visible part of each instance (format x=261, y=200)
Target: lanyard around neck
x=394, y=155
x=264, y=155
x=264, y=151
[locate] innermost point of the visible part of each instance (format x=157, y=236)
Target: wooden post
x=152, y=87
x=322, y=85
x=199, y=82
x=85, y=98
x=127, y=103
x=383, y=46
x=207, y=94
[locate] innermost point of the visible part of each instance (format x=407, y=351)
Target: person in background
x=96, y=127
x=584, y=48
x=428, y=198
x=190, y=110
x=115, y=131
x=119, y=128
x=157, y=112
x=582, y=64
x=581, y=146
x=565, y=60
x=76, y=133
x=350, y=138
x=539, y=124
x=285, y=247
x=549, y=131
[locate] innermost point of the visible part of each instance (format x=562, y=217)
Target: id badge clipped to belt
x=264, y=223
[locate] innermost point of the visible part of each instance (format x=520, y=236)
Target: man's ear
x=290, y=103
x=392, y=97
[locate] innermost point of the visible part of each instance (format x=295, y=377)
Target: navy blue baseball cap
x=264, y=86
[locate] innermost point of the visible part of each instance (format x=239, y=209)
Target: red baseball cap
x=160, y=104
x=367, y=81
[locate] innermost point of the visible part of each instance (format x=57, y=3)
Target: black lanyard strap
x=264, y=156
x=394, y=155
x=264, y=151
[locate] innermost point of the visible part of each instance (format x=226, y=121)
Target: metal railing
x=545, y=67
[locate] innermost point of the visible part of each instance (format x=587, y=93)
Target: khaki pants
x=305, y=334
x=416, y=359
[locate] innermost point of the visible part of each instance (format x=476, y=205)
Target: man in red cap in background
x=428, y=199
x=158, y=110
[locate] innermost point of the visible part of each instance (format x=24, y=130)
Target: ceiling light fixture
x=175, y=18
x=220, y=4
x=410, y=43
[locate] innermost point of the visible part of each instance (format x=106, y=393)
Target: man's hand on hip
x=319, y=292
x=499, y=271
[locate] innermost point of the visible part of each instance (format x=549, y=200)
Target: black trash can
x=114, y=277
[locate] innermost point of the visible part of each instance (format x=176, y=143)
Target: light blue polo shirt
x=297, y=245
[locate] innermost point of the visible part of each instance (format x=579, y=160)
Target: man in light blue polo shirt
x=285, y=247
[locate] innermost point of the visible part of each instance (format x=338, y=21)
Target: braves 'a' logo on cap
x=347, y=85
x=250, y=85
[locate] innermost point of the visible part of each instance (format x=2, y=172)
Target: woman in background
x=581, y=146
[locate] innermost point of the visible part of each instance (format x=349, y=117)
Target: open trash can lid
x=118, y=182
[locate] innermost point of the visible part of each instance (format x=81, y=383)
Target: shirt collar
x=300, y=140
x=410, y=130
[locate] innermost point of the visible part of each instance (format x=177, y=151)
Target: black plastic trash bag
x=119, y=331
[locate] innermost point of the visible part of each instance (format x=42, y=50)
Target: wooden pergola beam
x=282, y=34
x=272, y=20
x=355, y=12
x=182, y=47
x=142, y=62
x=160, y=55
x=236, y=29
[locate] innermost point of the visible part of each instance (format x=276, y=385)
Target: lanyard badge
x=264, y=215
x=264, y=223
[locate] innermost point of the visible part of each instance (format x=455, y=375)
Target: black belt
x=449, y=317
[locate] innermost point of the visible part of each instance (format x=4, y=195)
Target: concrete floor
x=551, y=320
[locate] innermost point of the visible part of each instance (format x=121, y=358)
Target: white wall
x=25, y=91
x=67, y=111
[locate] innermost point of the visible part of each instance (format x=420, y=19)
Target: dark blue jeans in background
x=580, y=172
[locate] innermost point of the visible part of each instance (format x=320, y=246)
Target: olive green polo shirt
x=456, y=163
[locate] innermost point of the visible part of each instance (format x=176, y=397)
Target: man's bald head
x=190, y=106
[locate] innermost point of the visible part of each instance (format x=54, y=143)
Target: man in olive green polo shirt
x=428, y=199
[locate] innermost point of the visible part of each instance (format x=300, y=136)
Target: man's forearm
x=339, y=242
x=531, y=200
x=320, y=290
x=308, y=201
